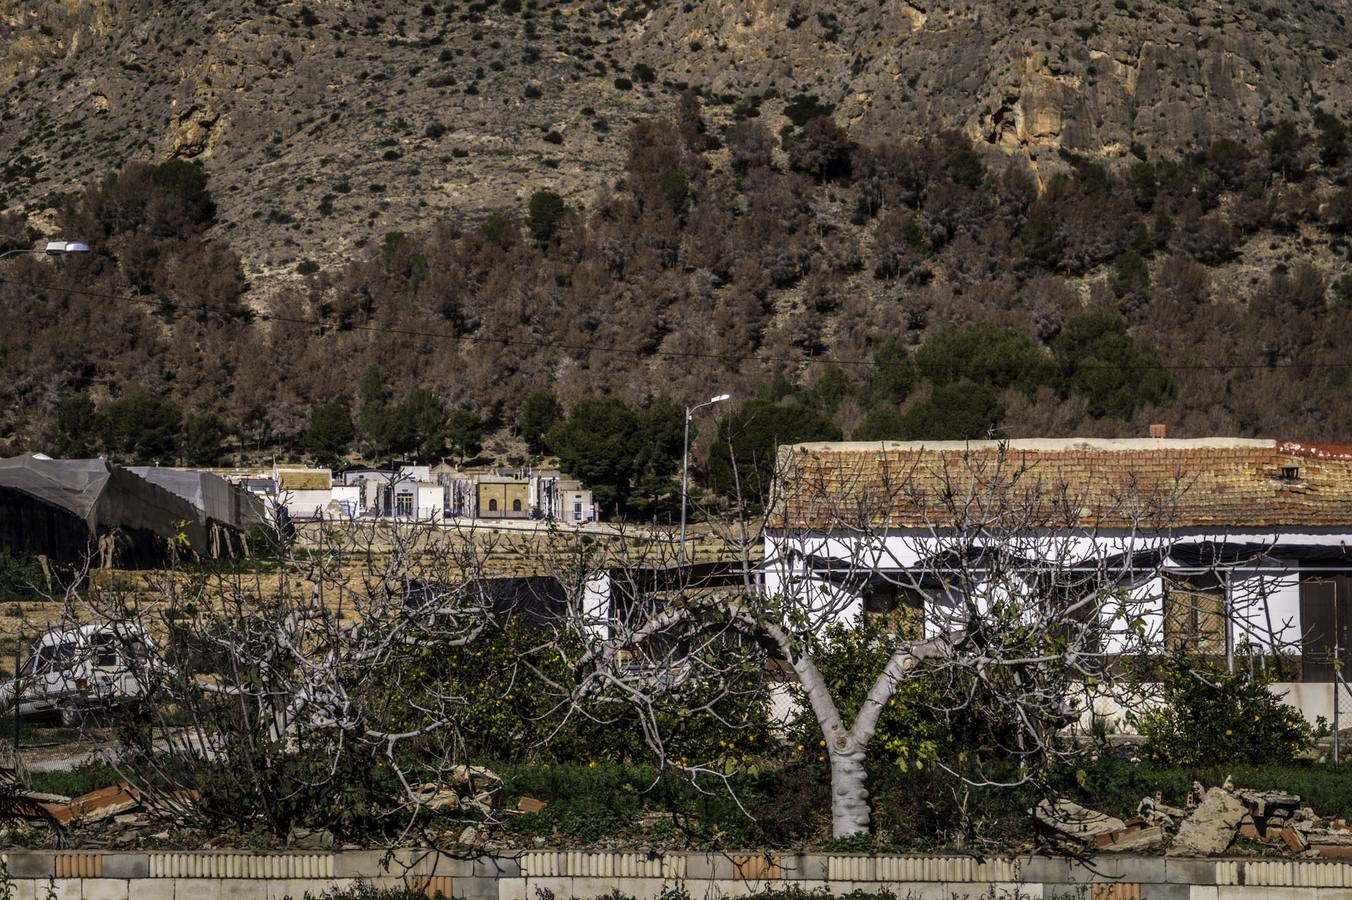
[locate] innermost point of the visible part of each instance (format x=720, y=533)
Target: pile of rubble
x=466, y=787
x=1210, y=821
x=117, y=814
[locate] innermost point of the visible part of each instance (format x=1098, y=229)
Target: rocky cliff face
x=1093, y=77
x=323, y=125
x=326, y=124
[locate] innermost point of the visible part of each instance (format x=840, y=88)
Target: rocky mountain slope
x=326, y=124
x=1094, y=77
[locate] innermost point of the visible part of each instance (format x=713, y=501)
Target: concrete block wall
x=214, y=875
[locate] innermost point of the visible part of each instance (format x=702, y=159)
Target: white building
x=307, y=493
x=558, y=497
x=1233, y=549
x=408, y=492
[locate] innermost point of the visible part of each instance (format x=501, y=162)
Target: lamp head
x=55, y=247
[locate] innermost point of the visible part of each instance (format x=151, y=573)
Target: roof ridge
x=1054, y=445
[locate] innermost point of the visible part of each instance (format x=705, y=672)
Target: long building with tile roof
x=1165, y=483
x=1226, y=546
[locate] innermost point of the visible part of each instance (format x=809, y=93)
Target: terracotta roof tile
x=1153, y=483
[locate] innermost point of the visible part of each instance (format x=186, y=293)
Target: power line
x=232, y=313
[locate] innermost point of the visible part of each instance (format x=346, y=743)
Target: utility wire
x=316, y=322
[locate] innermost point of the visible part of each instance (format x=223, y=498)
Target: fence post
x=1337, y=697
x=18, y=692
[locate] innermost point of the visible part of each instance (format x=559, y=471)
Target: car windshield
x=105, y=649
x=54, y=657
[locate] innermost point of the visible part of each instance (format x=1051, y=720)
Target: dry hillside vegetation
x=889, y=220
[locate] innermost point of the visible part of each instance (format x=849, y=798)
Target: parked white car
x=68, y=672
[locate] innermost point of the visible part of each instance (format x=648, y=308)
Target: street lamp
x=52, y=248
x=685, y=459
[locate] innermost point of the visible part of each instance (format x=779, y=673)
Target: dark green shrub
x=1208, y=715
x=1041, y=243
x=805, y=107
x=544, y=213
x=966, y=168
x=499, y=228
x=627, y=455
x=1102, y=363
x=676, y=188
x=539, y=413
x=329, y=434
x=1332, y=140
x=340, y=786
x=201, y=443
x=1130, y=274
x=21, y=577
x=187, y=183
x=1342, y=290
x=77, y=427
x=961, y=411
x=464, y=433
x=985, y=354
x=881, y=425
x=893, y=377
x=141, y=427
x=744, y=452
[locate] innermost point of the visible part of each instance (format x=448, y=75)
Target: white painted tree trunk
x=849, y=793
x=845, y=746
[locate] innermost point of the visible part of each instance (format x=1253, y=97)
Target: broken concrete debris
x=1157, y=812
x=1210, y=823
x=1088, y=828
x=1136, y=837
x=121, y=803
x=1070, y=820
x=1211, y=827
x=466, y=787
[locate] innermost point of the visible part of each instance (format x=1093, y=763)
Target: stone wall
x=244, y=876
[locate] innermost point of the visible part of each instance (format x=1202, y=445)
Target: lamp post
x=52, y=248
x=685, y=459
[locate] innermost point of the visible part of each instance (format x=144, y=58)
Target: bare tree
x=256, y=683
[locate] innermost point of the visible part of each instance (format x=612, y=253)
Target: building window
x=516, y=506
x=1077, y=600
x=403, y=504
x=577, y=512
x=1194, y=615
x=896, y=609
x=492, y=505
